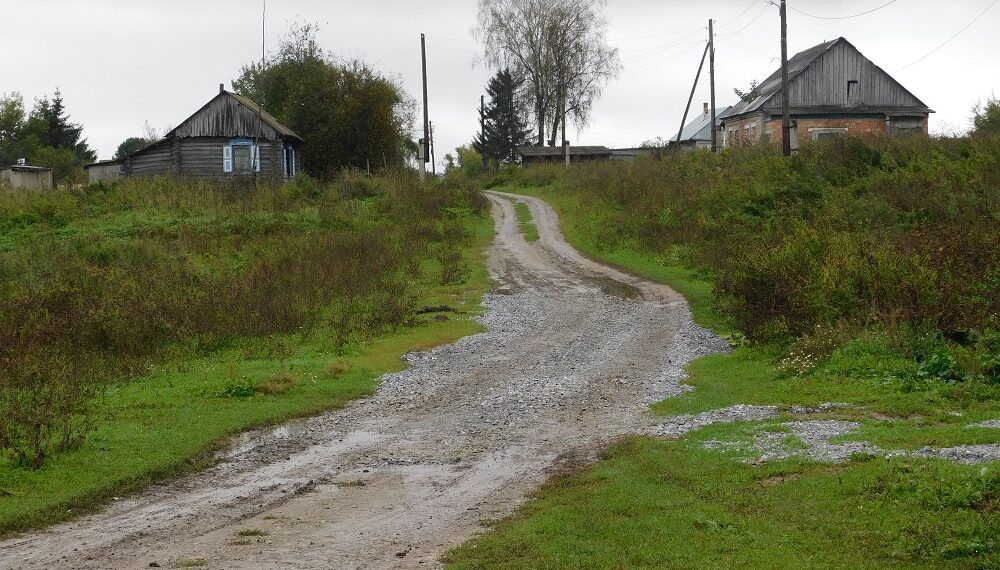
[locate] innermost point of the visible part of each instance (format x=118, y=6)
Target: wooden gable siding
x=824, y=83
x=152, y=161
x=224, y=116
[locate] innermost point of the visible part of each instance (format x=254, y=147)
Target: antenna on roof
x=255, y=157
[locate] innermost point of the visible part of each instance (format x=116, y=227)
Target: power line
x=726, y=21
x=843, y=17
x=948, y=41
x=750, y=23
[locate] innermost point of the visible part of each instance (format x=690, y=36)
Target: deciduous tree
x=349, y=114
x=558, y=47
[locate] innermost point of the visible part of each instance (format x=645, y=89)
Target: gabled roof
x=772, y=85
x=265, y=116
x=770, y=88
x=697, y=130
x=255, y=109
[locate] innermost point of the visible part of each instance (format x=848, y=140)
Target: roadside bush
x=866, y=233
x=96, y=283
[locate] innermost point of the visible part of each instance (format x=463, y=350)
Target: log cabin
x=229, y=137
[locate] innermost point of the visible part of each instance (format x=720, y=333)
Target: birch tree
x=557, y=47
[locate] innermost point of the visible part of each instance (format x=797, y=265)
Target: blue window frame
x=241, y=156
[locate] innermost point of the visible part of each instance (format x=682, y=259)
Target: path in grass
x=573, y=355
x=762, y=469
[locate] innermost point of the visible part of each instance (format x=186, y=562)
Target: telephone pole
x=697, y=76
x=711, y=73
x=425, y=142
x=786, y=124
x=565, y=143
x=482, y=131
x=430, y=126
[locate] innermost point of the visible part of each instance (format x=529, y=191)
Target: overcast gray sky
x=120, y=63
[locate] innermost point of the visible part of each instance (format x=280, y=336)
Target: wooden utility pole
x=482, y=131
x=691, y=98
x=565, y=143
x=425, y=142
x=786, y=124
x=711, y=75
x=430, y=128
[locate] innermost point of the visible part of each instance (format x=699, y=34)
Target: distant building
x=26, y=177
x=698, y=134
x=231, y=136
x=554, y=154
x=833, y=90
x=629, y=154
x=103, y=170
x=542, y=154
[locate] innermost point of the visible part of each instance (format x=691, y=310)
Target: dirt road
x=573, y=354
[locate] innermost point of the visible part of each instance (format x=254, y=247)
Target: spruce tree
x=504, y=125
x=51, y=123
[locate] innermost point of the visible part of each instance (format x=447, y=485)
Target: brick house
x=833, y=90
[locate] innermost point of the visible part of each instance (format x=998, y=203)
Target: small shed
x=554, y=154
x=229, y=137
x=103, y=170
x=630, y=154
x=27, y=177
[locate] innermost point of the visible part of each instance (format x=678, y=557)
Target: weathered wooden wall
x=225, y=117
x=152, y=161
x=200, y=157
x=26, y=179
x=825, y=83
x=109, y=171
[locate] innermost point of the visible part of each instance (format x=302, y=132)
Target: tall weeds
x=886, y=232
x=95, y=283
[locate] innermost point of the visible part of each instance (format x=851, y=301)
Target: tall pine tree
x=504, y=124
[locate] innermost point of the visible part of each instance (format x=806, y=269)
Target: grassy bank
x=173, y=396
x=702, y=224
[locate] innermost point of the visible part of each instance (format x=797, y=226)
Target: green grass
x=674, y=504
x=252, y=532
x=528, y=227
x=670, y=504
x=172, y=419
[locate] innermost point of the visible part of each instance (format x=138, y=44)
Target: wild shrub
x=277, y=384
x=97, y=282
x=872, y=232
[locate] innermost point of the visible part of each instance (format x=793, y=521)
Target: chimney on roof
x=222, y=88
x=706, y=108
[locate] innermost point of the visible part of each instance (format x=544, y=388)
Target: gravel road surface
x=574, y=352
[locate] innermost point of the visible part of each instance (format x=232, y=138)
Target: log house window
x=241, y=156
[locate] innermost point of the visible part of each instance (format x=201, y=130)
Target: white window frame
x=228, y=156
x=815, y=132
